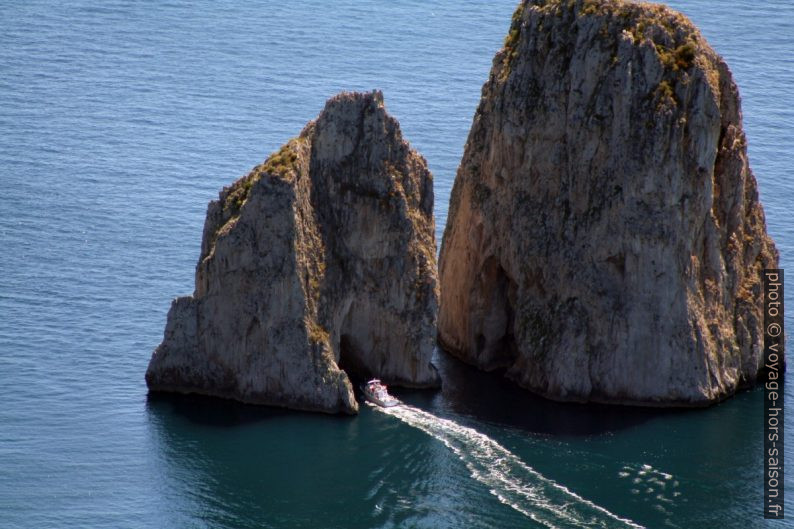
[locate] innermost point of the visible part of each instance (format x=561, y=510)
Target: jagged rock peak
x=317, y=266
x=605, y=239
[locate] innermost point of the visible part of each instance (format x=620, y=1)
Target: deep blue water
x=119, y=121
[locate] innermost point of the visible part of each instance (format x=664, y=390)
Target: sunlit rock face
x=605, y=239
x=317, y=265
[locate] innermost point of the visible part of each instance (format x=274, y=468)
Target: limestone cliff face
x=320, y=261
x=605, y=239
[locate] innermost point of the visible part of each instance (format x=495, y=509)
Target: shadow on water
x=490, y=397
x=234, y=465
x=225, y=464
x=217, y=412
x=483, y=396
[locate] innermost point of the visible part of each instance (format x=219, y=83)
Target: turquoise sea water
x=119, y=121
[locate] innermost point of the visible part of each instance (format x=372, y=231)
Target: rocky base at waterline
x=317, y=265
x=605, y=239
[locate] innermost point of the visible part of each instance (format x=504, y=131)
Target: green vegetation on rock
x=278, y=164
x=511, y=41
x=317, y=333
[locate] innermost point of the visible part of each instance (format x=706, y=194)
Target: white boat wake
x=510, y=479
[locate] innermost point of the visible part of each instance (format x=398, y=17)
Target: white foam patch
x=508, y=478
x=657, y=487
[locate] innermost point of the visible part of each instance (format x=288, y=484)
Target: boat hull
x=379, y=402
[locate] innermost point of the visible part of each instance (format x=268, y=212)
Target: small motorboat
x=376, y=393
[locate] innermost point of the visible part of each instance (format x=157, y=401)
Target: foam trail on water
x=510, y=479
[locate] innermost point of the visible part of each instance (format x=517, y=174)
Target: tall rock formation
x=317, y=265
x=605, y=240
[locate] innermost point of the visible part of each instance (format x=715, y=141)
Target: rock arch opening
x=355, y=347
x=352, y=362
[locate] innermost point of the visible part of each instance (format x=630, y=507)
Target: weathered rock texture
x=321, y=260
x=605, y=240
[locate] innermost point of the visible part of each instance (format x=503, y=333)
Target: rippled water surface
x=119, y=121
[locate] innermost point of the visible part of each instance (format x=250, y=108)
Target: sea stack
x=605, y=239
x=316, y=267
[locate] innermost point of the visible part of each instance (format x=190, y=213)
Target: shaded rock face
x=318, y=264
x=605, y=240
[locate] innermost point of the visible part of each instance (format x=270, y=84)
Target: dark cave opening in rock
x=351, y=362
